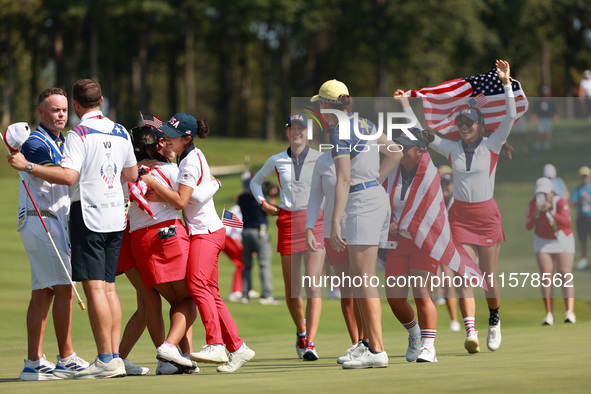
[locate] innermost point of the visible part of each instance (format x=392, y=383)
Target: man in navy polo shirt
x=49, y=280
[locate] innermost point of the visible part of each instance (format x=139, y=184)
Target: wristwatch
x=29, y=167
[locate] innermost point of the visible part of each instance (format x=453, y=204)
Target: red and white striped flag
x=442, y=103
x=153, y=121
x=137, y=192
x=424, y=216
x=231, y=220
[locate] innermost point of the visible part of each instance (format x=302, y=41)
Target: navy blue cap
x=471, y=113
x=181, y=124
x=405, y=141
x=301, y=119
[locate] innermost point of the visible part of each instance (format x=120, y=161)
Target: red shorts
x=126, y=260
x=477, y=223
x=161, y=261
x=291, y=226
x=335, y=257
x=408, y=256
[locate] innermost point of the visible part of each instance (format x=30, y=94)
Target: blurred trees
x=238, y=63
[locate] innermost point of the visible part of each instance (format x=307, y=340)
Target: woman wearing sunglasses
x=474, y=217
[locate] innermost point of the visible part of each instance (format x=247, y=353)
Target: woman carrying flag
x=207, y=240
x=294, y=168
x=474, y=217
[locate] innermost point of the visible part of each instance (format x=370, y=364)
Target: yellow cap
x=330, y=91
x=445, y=169
x=584, y=170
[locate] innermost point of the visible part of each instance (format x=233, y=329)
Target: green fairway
x=532, y=358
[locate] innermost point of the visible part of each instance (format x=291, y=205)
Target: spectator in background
x=233, y=249
x=255, y=239
x=554, y=243
x=581, y=198
x=585, y=93
x=544, y=114
x=558, y=185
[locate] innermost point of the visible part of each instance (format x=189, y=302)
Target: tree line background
x=238, y=63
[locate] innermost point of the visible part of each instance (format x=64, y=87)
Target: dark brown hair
x=145, y=144
x=87, y=93
x=50, y=92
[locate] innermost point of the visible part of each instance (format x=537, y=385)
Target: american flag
x=153, y=121
x=443, y=102
x=137, y=192
x=425, y=217
x=231, y=220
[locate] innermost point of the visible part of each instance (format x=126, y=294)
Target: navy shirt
x=36, y=151
x=252, y=215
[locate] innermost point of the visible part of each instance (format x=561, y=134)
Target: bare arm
x=343, y=171
x=129, y=174
x=178, y=199
x=51, y=174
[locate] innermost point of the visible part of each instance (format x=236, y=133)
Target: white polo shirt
x=99, y=149
x=294, y=183
x=199, y=214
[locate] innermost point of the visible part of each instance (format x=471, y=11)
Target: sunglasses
x=464, y=122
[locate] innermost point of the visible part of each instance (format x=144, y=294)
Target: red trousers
x=233, y=249
x=202, y=280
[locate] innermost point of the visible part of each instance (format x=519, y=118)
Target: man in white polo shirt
x=98, y=156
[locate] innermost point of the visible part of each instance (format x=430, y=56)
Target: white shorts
x=46, y=268
x=368, y=217
x=554, y=246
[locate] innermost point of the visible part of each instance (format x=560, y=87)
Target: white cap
x=543, y=185
x=16, y=134
x=549, y=171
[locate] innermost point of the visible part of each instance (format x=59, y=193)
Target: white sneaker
x=134, y=370
x=100, y=370
x=253, y=294
x=268, y=301
x=493, y=339
x=439, y=301
x=213, y=354
x=310, y=354
x=427, y=355
x=67, y=367
x=171, y=354
x=38, y=370
x=237, y=359
x=455, y=326
x=548, y=320
x=235, y=296
x=471, y=343
x=582, y=264
x=414, y=348
x=300, y=346
x=354, y=351
x=368, y=360
x=569, y=317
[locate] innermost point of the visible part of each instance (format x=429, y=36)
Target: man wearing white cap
x=49, y=280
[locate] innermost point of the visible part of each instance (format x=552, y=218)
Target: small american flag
x=153, y=121
x=425, y=217
x=442, y=103
x=231, y=220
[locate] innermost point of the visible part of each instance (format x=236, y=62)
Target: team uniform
x=322, y=190
x=98, y=149
x=367, y=211
x=207, y=241
x=44, y=148
x=294, y=176
x=406, y=255
x=552, y=237
x=161, y=255
x=474, y=216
